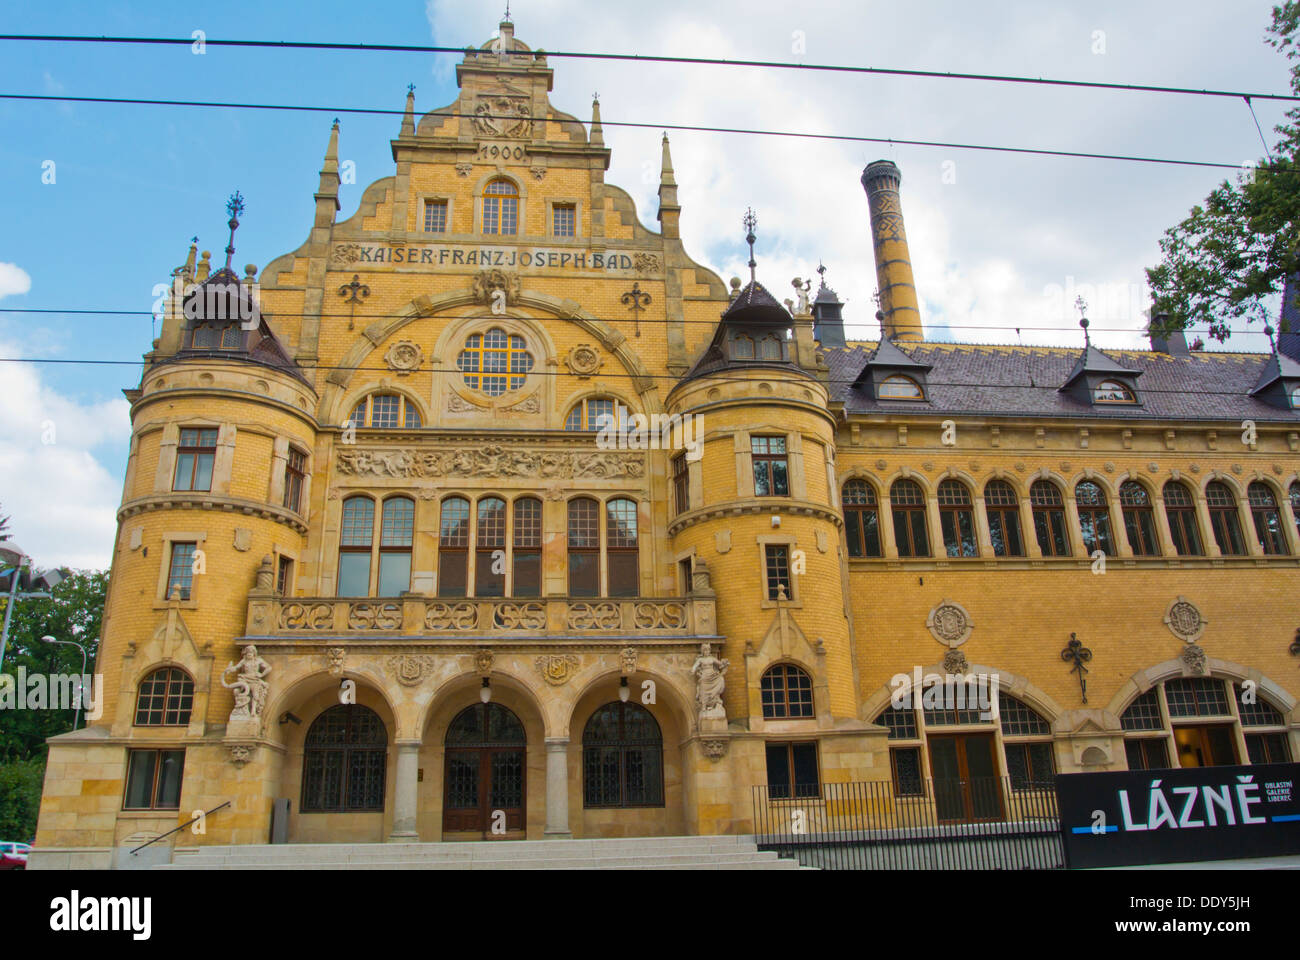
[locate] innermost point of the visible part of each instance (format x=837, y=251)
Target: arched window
x=899, y=387
x=1294, y=493
x=165, y=699
x=861, y=519
x=1049, y=519
x=907, y=503
x=769, y=348
x=957, y=519
x=1180, y=508
x=787, y=693
x=742, y=348
x=1268, y=519
x=584, y=548
x=621, y=548
x=490, y=548
x=501, y=208
x=1139, y=519
x=343, y=761
x=453, y=548
x=1264, y=727
x=495, y=361
x=622, y=758
x=1094, y=518
x=232, y=338
x=1003, y=511
x=527, y=540
x=386, y=411
x=1112, y=391
x=1224, y=519
x=356, y=541
x=1027, y=742
x=596, y=413
x=206, y=337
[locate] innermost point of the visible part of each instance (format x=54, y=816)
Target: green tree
x=20, y=797
x=1231, y=254
x=75, y=612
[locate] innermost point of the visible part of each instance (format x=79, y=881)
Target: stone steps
x=627, y=853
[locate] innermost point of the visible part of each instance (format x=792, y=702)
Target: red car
x=13, y=856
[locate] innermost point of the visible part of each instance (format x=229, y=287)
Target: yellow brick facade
x=417, y=658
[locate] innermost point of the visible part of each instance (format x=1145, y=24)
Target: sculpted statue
x=802, y=287
x=249, y=686
x=708, y=671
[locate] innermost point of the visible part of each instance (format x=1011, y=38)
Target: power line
x=639, y=58
x=693, y=128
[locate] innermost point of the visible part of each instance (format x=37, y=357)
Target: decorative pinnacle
x=1268, y=332
x=1082, y=306
x=234, y=207
x=821, y=272
x=410, y=88
x=750, y=222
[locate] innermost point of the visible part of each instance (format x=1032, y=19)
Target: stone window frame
x=577, y=205
x=423, y=200
x=521, y=189
x=1170, y=722
x=169, y=537
x=794, y=458
x=222, y=463
x=278, y=481
x=378, y=499
x=795, y=600
x=481, y=326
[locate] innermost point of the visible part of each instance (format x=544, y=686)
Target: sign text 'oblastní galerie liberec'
x=452, y=256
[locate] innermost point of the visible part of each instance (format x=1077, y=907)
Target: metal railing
x=163, y=836
x=986, y=823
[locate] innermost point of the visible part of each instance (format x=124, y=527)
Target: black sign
x=1171, y=816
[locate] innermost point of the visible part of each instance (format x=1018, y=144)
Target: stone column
x=406, y=792
x=557, y=789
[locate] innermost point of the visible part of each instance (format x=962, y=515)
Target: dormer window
x=1295, y=397
x=1112, y=391
x=742, y=348
x=899, y=387
x=769, y=348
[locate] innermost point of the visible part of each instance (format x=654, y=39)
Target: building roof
x=985, y=380
x=754, y=305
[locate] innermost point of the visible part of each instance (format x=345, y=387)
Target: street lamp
x=12, y=556
x=81, y=681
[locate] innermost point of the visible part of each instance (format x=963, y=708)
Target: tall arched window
x=1003, y=511
x=787, y=693
x=165, y=699
x=490, y=548
x=1049, y=519
x=356, y=540
x=1180, y=508
x=453, y=548
x=596, y=413
x=907, y=504
x=494, y=361
x=343, y=761
x=395, y=537
x=957, y=519
x=584, y=548
x=1094, y=518
x=1139, y=519
x=861, y=519
x=621, y=548
x=388, y=411
x=622, y=758
x=527, y=545
x=1224, y=519
x=1268, y=519
x=501, y=208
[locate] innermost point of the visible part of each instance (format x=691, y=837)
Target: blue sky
x=134, y=183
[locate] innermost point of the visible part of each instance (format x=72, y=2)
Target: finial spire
x=1082, y=306
x=821, y=272
x=751, y=221
x=234, y=207
x=597, y=132
x=1268, y=332
x=408, y=116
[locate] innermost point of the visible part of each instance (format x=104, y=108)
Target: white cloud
x=13, y=280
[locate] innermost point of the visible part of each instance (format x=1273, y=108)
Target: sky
x=101, y=200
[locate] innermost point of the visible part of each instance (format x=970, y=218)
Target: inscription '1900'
x=431, y=256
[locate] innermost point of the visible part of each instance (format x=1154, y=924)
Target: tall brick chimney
x=898, y=303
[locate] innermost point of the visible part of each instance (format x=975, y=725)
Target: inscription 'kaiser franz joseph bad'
x=493, y=461
x=425, y=255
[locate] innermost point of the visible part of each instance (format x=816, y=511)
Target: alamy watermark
x=624, y=430
x=933, y=691
x=53, y=691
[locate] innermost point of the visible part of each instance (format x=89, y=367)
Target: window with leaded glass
x=295, y=471
x=395, y=536
x=1143, y=713
x=1020, y=720
x=1048, y=507
x=180, y=574
x=861, y=519
x=194, y=458
x=621, y=553
x=742, y=348
x=501, y=208
x=900, y=721
x=776, y=559
x=905, y=766
x=1147, y=753
x=343, y=762
x=385, y=411
x=1030, y=764
x=1180, y=509
x=1257, y=712
x=453, y=548
x=771, y=469
x=793, y=771
x=957, y=519
x=1268, y=519
x=356, y=539
x=681, y=484
x=769, y=348
x=955, y=717
x=435, y=216
x=1224, y=519
x=899, y=387
x=153, y=779
x=1139, y=519
x=164, y=699
x=595, y=413
x=907, y=503
x=527, y=538
x=564, y=219
x=584, y=548
x=1003, y=511
x=490, y=548
x=622, y=758
x=1196, y=697
x=1268, y=747
x=494, y=361
x=787, y=693
x=1094, y=518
